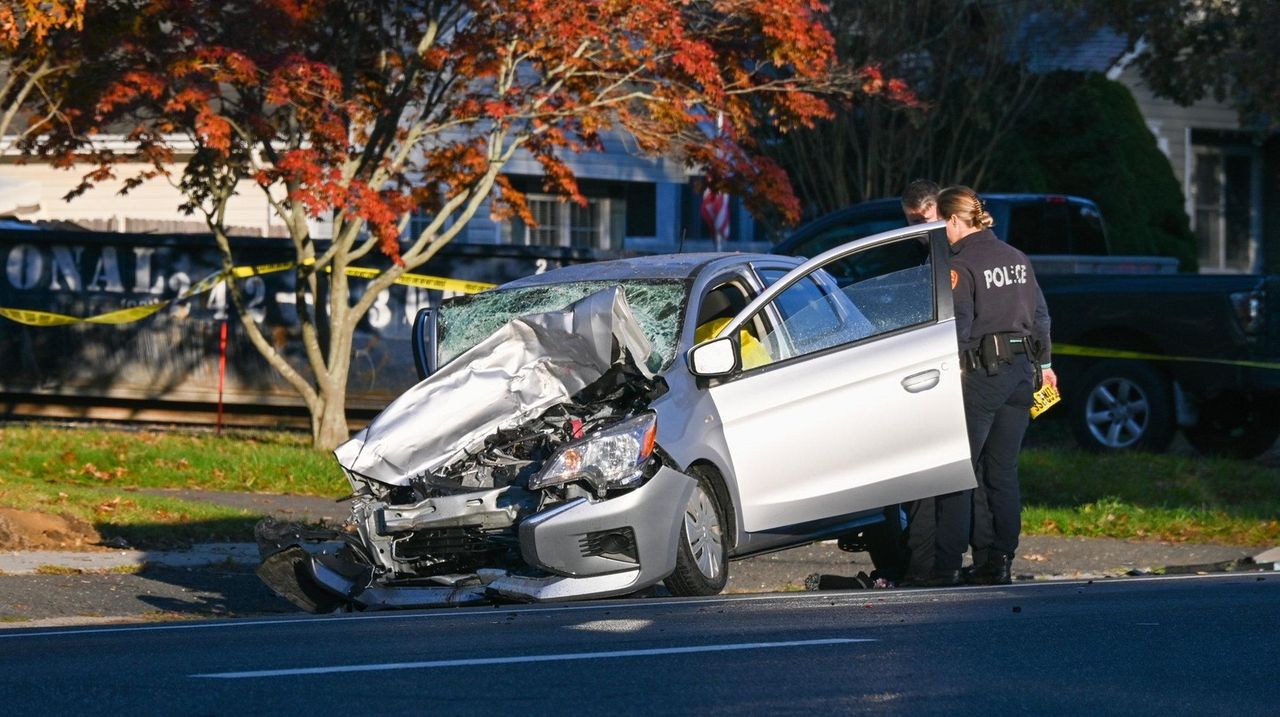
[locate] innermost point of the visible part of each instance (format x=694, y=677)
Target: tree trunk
x=329, y=418
x=329, y=423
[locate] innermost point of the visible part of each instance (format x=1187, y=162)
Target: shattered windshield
x=657, y=304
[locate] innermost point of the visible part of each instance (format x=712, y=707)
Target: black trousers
x=921, y=536
x=996, y=409
x=981, y=526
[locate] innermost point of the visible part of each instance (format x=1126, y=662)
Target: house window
x=1226, y=195
x=418, y=222
x=565, y=223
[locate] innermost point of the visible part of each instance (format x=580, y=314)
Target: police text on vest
x=1006, y=275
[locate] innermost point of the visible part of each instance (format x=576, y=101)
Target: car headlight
x=611, y=458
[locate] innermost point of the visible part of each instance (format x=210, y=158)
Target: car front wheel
x=702, y=559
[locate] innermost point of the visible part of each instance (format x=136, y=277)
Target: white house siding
x=1172, y=123
x=1179, y=130
x=152, y=206
x=482, y=229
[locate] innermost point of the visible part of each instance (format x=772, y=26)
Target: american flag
x=715, y=205
x=715, y=212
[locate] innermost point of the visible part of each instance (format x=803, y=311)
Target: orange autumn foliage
x=362, y=112
x=354, y=106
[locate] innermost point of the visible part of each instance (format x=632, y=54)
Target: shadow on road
x=208, y=592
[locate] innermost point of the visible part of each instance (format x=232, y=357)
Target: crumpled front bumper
x=587, y=549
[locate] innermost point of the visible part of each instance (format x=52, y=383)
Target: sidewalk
x=46, y=588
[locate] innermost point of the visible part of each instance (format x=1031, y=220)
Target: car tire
x=1122, y=405
x=1236, y=426
x=702, y=558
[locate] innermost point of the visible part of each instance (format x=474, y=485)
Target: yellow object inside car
x=754, y=353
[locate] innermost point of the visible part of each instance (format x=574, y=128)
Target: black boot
x=997, y=570
x=935, y=579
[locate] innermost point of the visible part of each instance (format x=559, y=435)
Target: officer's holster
x=998, y=349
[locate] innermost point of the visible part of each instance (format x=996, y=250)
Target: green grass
x=260, y=461
x=96, y=473
x=1172, y=497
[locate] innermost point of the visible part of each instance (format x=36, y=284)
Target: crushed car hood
x=529, y=365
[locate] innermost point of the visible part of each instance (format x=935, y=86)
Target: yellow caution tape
x=127, y=316
x=37, y=318
x=136, y=313
x=48, y=318
x=1044, y=399
x=205, y=284
x=244, y=272
x=425, y=282
x=1093, y=351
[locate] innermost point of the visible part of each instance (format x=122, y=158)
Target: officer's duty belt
x=994, y=350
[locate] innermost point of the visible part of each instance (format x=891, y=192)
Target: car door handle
x=923, y=381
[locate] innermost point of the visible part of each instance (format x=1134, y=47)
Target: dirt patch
x=29, y=530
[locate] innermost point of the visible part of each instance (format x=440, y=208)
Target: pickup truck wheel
x=1236, y=426
x=1122, y=405
x=702, y=560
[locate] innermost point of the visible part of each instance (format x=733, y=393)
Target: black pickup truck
x=1140, y=352
x=1142, y=355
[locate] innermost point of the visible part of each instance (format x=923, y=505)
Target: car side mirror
x=423, y=338
x=717, y=357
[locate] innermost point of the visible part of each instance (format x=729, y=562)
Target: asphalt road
x=1172, y=645
x=230, y=588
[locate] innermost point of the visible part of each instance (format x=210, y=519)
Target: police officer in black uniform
x=1003, y=333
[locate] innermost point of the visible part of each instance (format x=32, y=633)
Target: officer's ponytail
x=963, y=202
x=984, y=218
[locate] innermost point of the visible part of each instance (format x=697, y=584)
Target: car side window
x=810, y=317
x=717, y=308
x=891, y=285
x=872, y=292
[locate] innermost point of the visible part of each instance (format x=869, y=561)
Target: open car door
x=859, y=405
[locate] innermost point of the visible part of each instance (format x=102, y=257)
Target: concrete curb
x=34, y=562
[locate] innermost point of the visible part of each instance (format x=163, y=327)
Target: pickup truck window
x=882, y=220
x=1069, y=227
x=1039, y=228
x=1087, y=234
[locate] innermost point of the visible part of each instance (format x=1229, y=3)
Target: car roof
x=657, y=266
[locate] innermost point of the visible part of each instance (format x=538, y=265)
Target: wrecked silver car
x=598, y=429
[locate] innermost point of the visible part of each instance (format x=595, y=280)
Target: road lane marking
x=517, y=659
x=611, y=625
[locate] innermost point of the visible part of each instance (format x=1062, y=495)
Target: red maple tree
x=30, y=66
x=365, y=111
